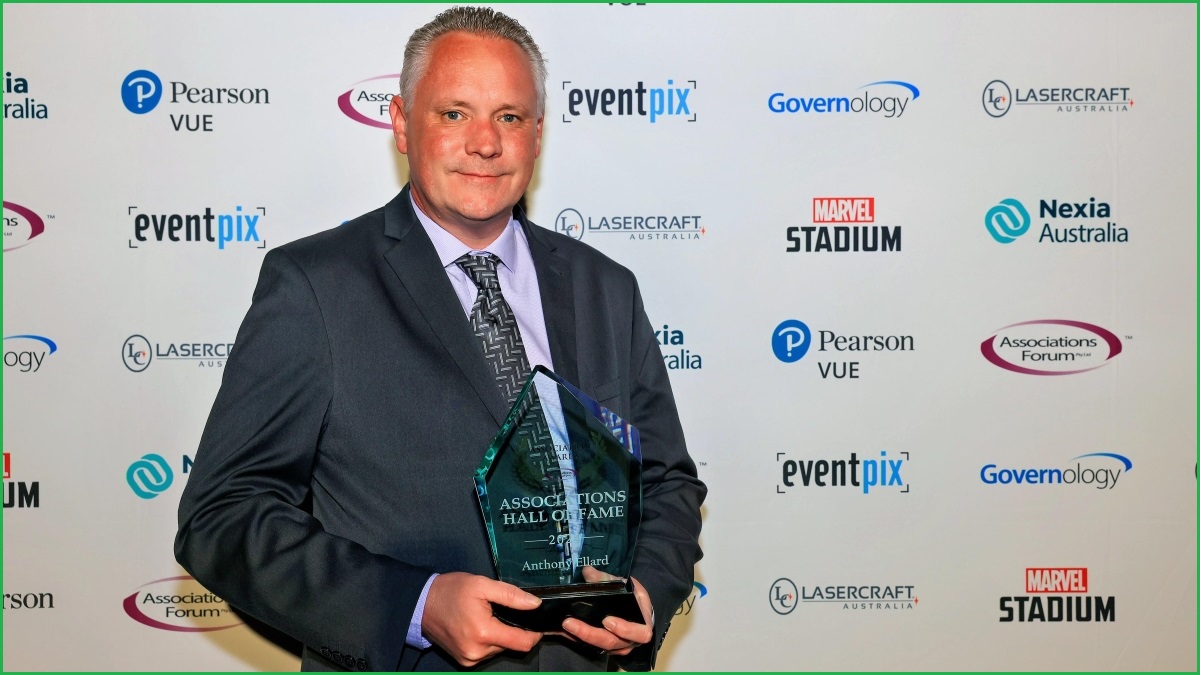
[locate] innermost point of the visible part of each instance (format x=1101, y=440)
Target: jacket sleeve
x=668, y=543
x=245, y=530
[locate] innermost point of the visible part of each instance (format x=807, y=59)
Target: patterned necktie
x=496, y=326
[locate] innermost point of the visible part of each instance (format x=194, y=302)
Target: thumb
x=506, y=594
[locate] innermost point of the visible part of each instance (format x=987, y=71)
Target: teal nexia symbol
x=149, y=476
x=1007, y=220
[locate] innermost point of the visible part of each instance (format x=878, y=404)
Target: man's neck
x=477, y=236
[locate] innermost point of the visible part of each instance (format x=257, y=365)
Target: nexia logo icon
x=653, y=103
x=791, y=340
x=1007, y=220
x=149, y=476
x=141, y=91
x=895, y=97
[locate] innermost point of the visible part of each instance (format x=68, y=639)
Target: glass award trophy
x=561, y=492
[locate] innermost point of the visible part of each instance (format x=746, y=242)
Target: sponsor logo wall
x=925, y=304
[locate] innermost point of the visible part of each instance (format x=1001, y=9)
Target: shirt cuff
x=414, y=637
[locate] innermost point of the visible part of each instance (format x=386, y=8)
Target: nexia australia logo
x=671, y=101
x=368, y=100
x=142, y=91
x=149, y=476
x=23, y=108
x=1064, y=222
x=676, y=353
x=999, y=98
x=21, y=225
x=641, y=227
x=843, y=225
x=887, y=98
x=1099, y=470
x=1057, y=594
x=224, y=229
x=179, y=604
x=138, y=353
x=25, y=353
x=1051, y=347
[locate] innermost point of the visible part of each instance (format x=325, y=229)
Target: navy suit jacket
x=334, y=473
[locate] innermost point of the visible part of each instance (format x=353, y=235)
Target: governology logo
x=21, y=226
x=843, y=225
x=179, y=604
x=999, y=98
x=1051, y=347
x=1056, y=595
x=659, y=102
x=674, y=227
x=791, y=341
x=18, y=105
x=367, y=101
x=885, y=98
x=1064, y=221
x=137, y=353
x=868, y=476
x=783, y=596
x=1097, y=470
x=223, y=228
x=27, y=353
x=142, y=91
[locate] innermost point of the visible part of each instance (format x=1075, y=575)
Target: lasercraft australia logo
x=21, y=225
x=1064, y=221
x=1051, y=347
x=142, y=91
x=664, y=100
x=886, y=98
x=1057, y=595
x=367, y=101
x=137, y=353
x=1096, y=470
x=643, y=226
x=844, y=225
x=179, y=604
x=999, y=98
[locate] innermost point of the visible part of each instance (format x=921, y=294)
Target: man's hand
x=618, y=637
x=458, y=617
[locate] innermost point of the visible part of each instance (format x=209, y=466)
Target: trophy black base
x=589, y=603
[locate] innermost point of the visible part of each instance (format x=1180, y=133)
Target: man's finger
x=506, y=594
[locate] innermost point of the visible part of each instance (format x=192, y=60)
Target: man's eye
x=508, y=118
x=454, y=115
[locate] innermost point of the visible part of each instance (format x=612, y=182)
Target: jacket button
x=325, y=652
x=361, y=664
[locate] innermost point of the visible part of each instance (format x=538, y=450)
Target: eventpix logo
x=1097, y=470
x=367, y=101
x=1051, y=347
x=18, y=104
x=1056, y=595
x=670, y=101
x=882, y=473
x=19, y=494
x=676, y=353
x=151, y=475
x=792, y=340
x=885, y=98
x=21, y=225
x=142, y=91
x=675, y=227
x=699, y=590
x=27, y=353
x=225, y=228
x=999, y=98
x=1064, y=221
x=843, y=225
x=138, y=353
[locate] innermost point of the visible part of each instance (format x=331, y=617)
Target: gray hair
x=482, y=21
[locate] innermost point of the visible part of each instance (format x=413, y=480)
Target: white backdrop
x=92, y=421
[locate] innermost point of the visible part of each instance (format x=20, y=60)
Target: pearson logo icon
x=791, y=340
x=141, y=91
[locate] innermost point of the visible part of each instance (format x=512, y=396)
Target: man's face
x=471, y=132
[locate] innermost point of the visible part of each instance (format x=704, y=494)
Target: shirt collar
x=449, y=248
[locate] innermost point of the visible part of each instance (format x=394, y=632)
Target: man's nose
x=483, y=139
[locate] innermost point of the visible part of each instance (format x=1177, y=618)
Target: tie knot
x=481, y=269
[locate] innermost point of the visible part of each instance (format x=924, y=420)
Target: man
x=331, y=495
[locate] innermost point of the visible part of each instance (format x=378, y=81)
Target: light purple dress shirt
x=519, y=286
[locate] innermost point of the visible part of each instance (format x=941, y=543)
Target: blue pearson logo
x=790, y=341
x=141, y=91
x=149, y=476
x=1007, y=220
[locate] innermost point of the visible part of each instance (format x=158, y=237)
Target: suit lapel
x=415, y=263
x=558, y=299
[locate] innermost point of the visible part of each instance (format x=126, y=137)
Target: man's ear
x=537, y=148
x=400, y=124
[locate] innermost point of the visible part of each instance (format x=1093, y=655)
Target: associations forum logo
x=1064, y=221
x=27, y=353
x=792, y=340
x=1097, y=470
x=367, y=101
x=665, y=100
x=151, y=475
x=999, y=98
x=1056, y=595
x=179, y=604
x=22, y=225
x=1051, y=347
x=843, y=225
x=885, y=98
x=142, y=91
x=137, y=352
